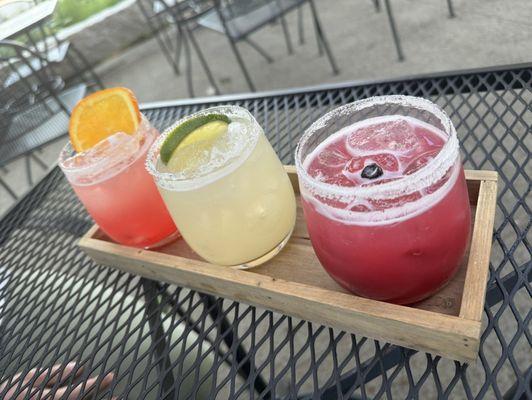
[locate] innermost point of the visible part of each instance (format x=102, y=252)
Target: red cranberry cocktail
x=385, y=197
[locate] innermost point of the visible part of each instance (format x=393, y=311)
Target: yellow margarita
x=224, y=186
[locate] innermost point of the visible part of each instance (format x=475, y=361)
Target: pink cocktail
x=385, y=197
x=111, y=181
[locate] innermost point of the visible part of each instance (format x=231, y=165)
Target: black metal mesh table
x=162, y=341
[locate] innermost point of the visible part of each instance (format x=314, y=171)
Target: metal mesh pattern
x=164, y=341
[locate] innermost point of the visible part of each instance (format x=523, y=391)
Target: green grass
x=69, y=12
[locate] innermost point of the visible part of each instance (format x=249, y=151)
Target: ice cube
x=396, y=136
x=420, y=161
x=331, y=176
x=355, y=165
x=352, y=169
x=107, y=153
x=439, y=183
x=332, y=158
x=338, y=179
x=384, y=160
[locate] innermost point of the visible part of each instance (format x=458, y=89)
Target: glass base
x=266, y=257
x=165, y=241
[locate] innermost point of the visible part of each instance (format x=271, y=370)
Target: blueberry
x=372, y=171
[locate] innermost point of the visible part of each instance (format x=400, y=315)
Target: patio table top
x=27, y=19
x=240, y=351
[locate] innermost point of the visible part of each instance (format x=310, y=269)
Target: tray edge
x=465, y=328
x=474, y=292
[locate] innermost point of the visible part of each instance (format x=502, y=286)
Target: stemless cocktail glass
x=233, y=203
x=117, y=191
x=385, y=197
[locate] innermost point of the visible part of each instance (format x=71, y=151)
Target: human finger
x=89, y=386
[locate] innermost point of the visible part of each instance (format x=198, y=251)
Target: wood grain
x=294, y=283
x=480, y=249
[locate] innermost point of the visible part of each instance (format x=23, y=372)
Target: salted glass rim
x=171, y=181
x=67, y=152
x=433, y=171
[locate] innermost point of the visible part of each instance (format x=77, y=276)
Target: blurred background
x=59, y=50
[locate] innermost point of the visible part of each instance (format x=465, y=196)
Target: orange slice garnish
x=102, y=114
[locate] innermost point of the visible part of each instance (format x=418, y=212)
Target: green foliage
x=69, y=12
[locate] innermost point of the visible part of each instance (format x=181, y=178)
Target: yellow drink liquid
x=233, y=201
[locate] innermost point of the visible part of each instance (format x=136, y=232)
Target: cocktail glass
x=115, y=188
x=233, y=203
x=384, y=197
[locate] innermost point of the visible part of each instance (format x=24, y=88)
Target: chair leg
x=87, y=67
x=322, y=38
x=300, y=26
x=188, y=66
x=157, y=33
x=54, y=95
x=27, y=161
x=166, y=51
x=165, y=39
x=241, y=64
x=394, y=30
x=202, y=60
x=41, y=163
x=158, y=336
x=259, y=50
x=60, y=102
x=377, y=5
x=8, y=189
x=230, y=336
x=179, y=47
x=451, y=8
x=286, y=32
x=76, y=68
x=317, y=34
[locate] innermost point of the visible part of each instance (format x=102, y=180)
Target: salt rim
x=74, y=173
x=432, y=172
x=173, y=182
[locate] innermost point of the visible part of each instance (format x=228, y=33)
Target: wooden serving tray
x=294, y=283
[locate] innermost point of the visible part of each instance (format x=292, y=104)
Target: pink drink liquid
x=401, y=249
x=127, y=205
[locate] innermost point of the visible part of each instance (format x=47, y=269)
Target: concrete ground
x=484, y=33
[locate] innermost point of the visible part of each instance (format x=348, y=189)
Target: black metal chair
x=60, y=50
x=393, y=27
x=172, y=22
x=238, y=19
x=35, y=105
x=44, y=40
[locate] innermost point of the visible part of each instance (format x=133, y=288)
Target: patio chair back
x=34, y=107
x=171, y=23
x=28, y=83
